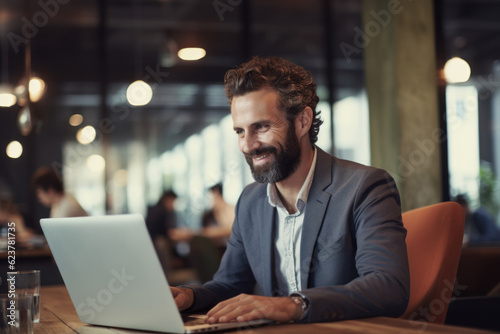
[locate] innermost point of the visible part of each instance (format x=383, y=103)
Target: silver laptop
x=114, y=277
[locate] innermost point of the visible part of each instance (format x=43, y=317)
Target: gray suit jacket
x=353, y=251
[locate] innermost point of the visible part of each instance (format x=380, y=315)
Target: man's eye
x=261, y=127
x=238, y=132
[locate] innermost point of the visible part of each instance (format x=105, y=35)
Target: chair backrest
x=434, y=243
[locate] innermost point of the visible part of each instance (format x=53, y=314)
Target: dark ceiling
x=85, y=49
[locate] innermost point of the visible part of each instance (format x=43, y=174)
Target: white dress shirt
x=288, y=233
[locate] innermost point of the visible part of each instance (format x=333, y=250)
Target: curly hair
x=295, y=86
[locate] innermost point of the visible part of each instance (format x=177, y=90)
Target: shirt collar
x=272, y=191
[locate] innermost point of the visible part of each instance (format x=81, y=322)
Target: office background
x=379, y=66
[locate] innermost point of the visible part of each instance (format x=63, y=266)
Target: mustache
x=260, y=151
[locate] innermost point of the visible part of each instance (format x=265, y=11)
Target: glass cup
x=16, y=314
x=27, y=282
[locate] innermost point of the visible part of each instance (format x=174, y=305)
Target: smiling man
x=321, y=238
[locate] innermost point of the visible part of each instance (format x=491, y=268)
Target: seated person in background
x=207, y=247
x=321, y=237
x=8, y=214
x=160, y=221
x=218, y=221
x=480, y=225
x=161, y=217
x=49, y=189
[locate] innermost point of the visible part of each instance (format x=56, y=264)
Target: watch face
x=303, y=305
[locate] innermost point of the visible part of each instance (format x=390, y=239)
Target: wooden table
x=58, y=316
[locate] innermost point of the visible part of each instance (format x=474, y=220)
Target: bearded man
x=321, y=238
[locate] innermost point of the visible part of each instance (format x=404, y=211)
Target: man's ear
x=304, y=121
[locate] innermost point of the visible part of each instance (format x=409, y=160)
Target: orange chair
x=434, y=243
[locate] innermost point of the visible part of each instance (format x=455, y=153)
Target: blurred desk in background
x=35, y=258
x=27, y=253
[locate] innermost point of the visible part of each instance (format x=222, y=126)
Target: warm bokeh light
x=96, y=163
x=7, y=96
x=75, y=120
x=25, y=121
x=14, y=149
x=139, y=93
x=36, y=88
x=20, y=92
x=456, y=70
x=191, y=53
x=86, y=135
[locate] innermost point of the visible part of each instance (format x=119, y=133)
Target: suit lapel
x=317, y=204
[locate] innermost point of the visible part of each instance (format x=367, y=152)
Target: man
x=161, y=220
x=480, y=225
x=218, y=221
x=321, y=237
x=49, y=189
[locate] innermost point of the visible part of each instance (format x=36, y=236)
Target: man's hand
x=184, y=297
x=249, y=307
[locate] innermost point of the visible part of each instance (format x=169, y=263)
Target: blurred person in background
x=9, y=213
x=208, y=246
x=161, y=219
x=480, y=225
x=49, y=190
x=218, y=221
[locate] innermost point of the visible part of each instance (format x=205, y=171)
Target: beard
x=286, y=159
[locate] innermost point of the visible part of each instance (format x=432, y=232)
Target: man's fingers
x=241, y=307
x=225, y=313
x=182, y=297
x=252, y=315
x=222, y=305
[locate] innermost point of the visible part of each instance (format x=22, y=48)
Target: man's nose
x=249, y=143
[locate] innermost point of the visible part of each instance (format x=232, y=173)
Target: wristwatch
x=303, y=304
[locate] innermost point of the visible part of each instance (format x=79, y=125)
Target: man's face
x=265, y=136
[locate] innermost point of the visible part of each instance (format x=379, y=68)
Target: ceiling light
x=36, y=88
x=20, y=92
x=25, y=121
x=191, y=53
x=7, y=96
x=75, y=120
x=14, y=149
x=139, y=93
x=456, y=70
x=86, y=135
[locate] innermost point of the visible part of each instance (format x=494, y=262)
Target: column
x=399, y=52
